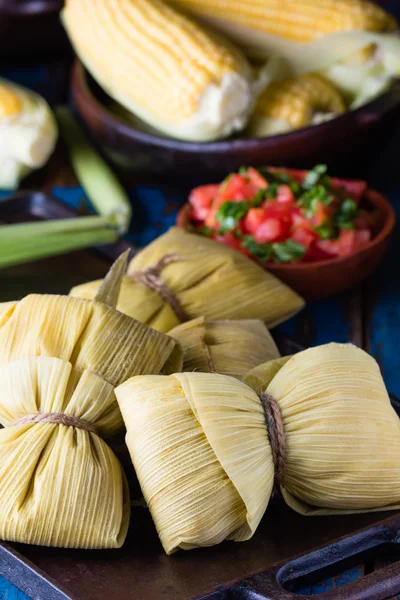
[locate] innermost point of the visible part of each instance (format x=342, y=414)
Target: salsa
x=284, y=215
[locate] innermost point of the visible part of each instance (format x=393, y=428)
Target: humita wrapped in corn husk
x=319, y=424
x=182, y=276
x=60, y=360
x=227, y=347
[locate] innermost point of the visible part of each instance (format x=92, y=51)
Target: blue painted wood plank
x=383, y=327
x=10, y=592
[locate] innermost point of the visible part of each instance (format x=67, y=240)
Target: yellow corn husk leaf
x=211, y=280
x=226, y=347
x=182, y=80
x=293, y=103
x=199, y=445
x=28, y=133
x=343, y=436
x=62, y=486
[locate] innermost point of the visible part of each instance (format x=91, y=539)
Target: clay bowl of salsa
x=318, y=234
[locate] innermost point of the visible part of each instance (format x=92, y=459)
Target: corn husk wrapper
x=226, y=347
x=59, y=485
x=200, y=446
x=211, y=280
x=343, y=436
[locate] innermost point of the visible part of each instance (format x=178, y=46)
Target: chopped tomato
x=271, y=230
x=361, y=238
x=256, y=178
x=201, y=199
x=329, y=247
x=211, y=220
x=285, y=195
x=312, y=221
x=315, y=253
x=304, y=236
x=253, y=220
x=322, y=214
x=346, y=242
x=353, y=188
x=228, y=239
x=236, y=189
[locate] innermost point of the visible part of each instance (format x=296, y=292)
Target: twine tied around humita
x=150, y=277
x=56, y=418
x=276, y=434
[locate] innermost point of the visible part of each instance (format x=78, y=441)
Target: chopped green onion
x=97, y=179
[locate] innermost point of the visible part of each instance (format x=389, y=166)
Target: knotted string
x=58, y=419
x=150, y=277
x=276, y=434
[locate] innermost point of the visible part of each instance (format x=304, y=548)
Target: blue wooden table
x=369, y=316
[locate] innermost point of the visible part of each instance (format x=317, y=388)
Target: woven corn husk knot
x=58, y=419
x=150, y=277
x=276, y=433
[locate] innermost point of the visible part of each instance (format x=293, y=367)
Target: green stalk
x=20, y=231
x=97, y=179
x=14, y=252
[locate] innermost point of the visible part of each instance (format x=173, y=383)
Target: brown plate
x=348, y=139
x=30, y=26
x=327, y=277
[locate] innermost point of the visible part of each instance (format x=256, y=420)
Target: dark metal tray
x=287, y=551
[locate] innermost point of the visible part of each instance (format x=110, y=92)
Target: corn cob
x=294, y=103
x=28, y=133
x=162, y=66
x=10, y=103
x=297, y=20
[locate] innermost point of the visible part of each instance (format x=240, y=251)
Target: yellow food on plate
x=353, y=43
x=208, y=448
x=28, y=133
x=226, y=347
x=182, y=276
x=162, y=66
x=60, y=361
x=296, y=102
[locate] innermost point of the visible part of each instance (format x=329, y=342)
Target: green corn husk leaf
x=226, y=347
x=210, y=280
x=97, y=179
x=215, y=481
x=59, y=485
x=31, y=246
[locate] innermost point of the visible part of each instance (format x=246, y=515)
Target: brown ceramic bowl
x=30, y=27
x=318, y=280
x=344, y=140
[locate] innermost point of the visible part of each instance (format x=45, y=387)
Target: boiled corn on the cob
x=294, y=103
x=162, y=66
x=297, y=20
x=28, y=133
x=350, y=42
